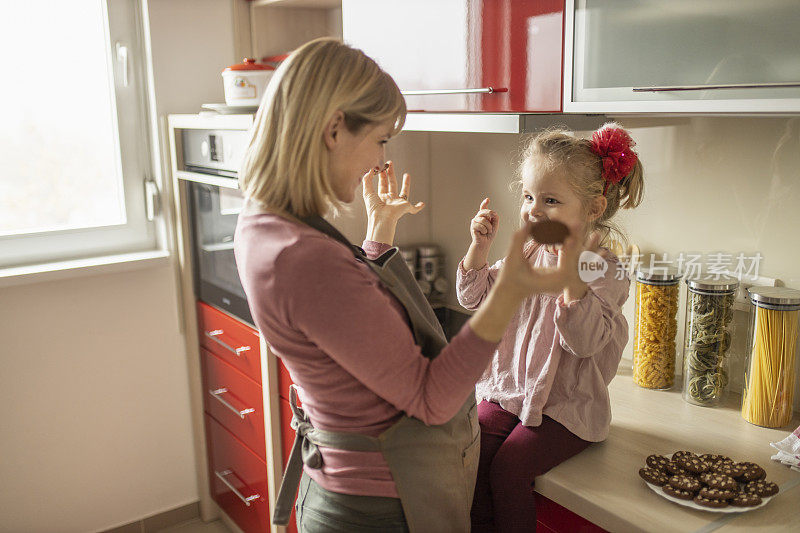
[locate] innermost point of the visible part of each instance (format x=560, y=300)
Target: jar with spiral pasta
x=707, y=338
x=769, y=368
x=655, y=327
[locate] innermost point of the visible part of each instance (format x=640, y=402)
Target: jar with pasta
x=655, y=327
x=707, y=338
x=769, y=369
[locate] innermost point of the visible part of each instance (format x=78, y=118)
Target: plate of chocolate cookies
x=708, y=482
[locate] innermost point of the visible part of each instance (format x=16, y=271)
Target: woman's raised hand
x=483, y=226
x=387, y=205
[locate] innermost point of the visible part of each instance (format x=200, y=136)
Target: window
x=75, y=136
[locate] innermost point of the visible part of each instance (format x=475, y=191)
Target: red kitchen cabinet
x=234, y=342
x=435, y=49
x=235, y=401
x=238, y=479
x=553, y=518
x=287, y=440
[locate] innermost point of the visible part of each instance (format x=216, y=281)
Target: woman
x=388, y=434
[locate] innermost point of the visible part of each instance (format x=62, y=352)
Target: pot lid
x=248, y=63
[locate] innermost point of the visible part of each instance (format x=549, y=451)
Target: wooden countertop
x=602, y=483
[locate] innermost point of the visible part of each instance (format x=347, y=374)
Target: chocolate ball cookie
x=761, y=488
x=678, y=493
x=717, y=494
x=684, y=482
x=692, y=463
x=731, y=469
x=719, y=481
x=744, y=499
x=708, y=502
x=653, y=475
x=753, y=472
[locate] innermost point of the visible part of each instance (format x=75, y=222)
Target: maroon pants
x=512, y=455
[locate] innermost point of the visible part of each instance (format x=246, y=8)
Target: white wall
x=712, y=184
x=95, y=397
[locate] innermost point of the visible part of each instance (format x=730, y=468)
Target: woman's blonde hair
x=286, y=165
x=558, y=149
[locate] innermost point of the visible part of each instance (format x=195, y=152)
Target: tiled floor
x=198, y=526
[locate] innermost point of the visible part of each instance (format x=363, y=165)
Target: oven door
x=213, y=212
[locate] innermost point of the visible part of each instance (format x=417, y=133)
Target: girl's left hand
x=387, y=205
x=568, y=258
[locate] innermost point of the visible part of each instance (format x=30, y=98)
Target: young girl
x=544, y=394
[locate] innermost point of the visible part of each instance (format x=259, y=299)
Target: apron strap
x=305, y=451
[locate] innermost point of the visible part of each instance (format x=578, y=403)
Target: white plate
x=689, y=503
x=224, y=109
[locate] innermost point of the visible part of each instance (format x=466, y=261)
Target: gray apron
x=433, y=467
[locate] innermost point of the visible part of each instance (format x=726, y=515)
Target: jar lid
x=248, y=63
x=713, y=282
x=774, y=296
x=428, y=251
x=657, y=274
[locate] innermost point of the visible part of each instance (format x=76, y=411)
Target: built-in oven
x=211, y=159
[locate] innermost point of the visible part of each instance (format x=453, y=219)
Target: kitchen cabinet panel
x=238, y=479
x=557, y=519
x=235, y=401
x=684, y=55
x=514, y=47
x=230, y=340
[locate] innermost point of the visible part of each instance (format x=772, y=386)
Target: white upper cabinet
x=682, y=56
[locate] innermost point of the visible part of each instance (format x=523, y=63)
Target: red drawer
x=287, y=440
x=230, y=339
x=236, y=475
x=235, y=401
x=560, y=519
x=284, y=381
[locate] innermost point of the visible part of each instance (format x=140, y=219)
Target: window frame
x=125, y=23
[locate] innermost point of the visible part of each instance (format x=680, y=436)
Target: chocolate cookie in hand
x=549, y=231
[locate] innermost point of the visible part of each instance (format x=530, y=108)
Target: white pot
x=245, y=82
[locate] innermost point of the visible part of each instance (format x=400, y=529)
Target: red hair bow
x=614, y=146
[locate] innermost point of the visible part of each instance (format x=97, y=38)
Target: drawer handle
x=216, y=333
x=484, y=90
x=776, y=85
x=246, y=500
x=217, y=393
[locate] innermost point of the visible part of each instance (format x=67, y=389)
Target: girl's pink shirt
x=556, y=359
x=347, y=344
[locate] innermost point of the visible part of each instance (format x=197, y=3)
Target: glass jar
x=769, y=367
x=707, y=338
x=655, y=327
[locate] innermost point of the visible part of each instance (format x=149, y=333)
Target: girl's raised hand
x=483, y=226
x=387, y=205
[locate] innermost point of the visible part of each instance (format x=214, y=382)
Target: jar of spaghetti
x=707, y=338
x=655, y=327
x=769, y=367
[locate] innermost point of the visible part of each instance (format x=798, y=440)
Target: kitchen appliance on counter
x=211, y=159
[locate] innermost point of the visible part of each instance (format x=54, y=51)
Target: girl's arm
x=586, y=325
x=473, y=279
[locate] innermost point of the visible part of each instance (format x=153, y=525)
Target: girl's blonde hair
x=558, y=149
x=286, y=165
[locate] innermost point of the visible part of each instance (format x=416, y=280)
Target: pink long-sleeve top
x=556, y=358
x=347, y=345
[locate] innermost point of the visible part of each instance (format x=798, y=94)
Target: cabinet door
x=231, y=340
x=652, y=55
x=238, y=479
x=287, y=440
x=512, y=46
x=235, y=401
